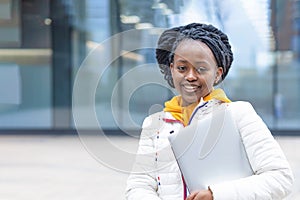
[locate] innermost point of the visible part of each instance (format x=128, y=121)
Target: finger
x=192, y=196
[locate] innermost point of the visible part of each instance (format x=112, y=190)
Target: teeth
x=190, y=87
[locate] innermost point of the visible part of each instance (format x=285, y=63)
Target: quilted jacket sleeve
x=142, y=183
x=272, y=177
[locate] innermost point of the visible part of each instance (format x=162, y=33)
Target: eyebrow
x=197, y=62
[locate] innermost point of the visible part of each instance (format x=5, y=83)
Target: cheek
x=177, y=77
x=176, y=82
x=208, y=81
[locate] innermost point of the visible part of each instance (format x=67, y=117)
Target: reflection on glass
x=265, y=35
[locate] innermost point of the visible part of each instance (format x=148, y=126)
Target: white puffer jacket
x=156, y=174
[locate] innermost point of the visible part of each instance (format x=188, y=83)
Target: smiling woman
x=194, y=58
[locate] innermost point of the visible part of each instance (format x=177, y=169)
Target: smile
x=190, y=88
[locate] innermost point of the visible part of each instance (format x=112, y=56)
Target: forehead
x=194, y=49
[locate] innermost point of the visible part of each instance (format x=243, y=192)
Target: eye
x=181, y=68
x=201, y=69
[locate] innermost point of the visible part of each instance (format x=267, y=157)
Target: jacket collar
x=202, y=105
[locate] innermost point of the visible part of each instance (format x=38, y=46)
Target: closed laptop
x=210, y=151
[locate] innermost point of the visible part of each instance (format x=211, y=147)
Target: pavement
x=55, y=167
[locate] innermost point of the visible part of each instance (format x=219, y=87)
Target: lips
x=190, y=88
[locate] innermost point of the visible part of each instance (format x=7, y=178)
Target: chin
x=190, y=100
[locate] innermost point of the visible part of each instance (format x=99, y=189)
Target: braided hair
x=215, y=39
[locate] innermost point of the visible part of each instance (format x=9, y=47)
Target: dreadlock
x=215, y=39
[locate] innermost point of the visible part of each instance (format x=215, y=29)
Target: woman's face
x=194, y=70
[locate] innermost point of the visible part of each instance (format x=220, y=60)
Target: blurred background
x=44, y=43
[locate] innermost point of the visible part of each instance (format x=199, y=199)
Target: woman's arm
x=142, y=183
x=272, y=177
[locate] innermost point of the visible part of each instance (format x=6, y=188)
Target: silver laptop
x=210, y=151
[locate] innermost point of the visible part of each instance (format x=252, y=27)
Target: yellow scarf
x=183, y=114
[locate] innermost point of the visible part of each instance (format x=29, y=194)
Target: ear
x=219, y=74
x=171, y=66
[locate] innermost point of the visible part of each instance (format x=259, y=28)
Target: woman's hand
x=200, y=195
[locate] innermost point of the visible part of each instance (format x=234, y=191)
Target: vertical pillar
x=61, y=63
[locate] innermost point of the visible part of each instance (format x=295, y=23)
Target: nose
x=191, y=75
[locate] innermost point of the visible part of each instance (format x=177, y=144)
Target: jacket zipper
x=195, y=111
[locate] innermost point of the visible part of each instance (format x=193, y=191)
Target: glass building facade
x=85, y=64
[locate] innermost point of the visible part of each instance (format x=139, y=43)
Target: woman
x=194, y=58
